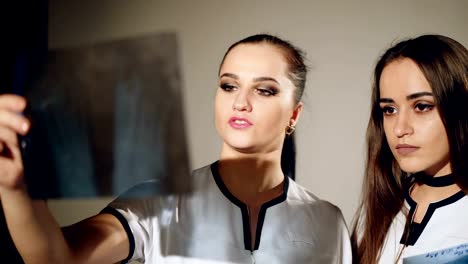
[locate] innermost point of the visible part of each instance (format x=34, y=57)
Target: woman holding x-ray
x=244, y=207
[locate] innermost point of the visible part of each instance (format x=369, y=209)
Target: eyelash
x=385, y=110
x=419, y=107
x=424, y=107
x=227, y=87
x=266, y=91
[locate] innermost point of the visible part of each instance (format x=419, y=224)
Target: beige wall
x=342, y=38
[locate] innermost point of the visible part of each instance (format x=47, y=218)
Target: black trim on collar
x=123, y=221
x=263, y=209
x=415, y=229
x=244, y=209
x=432, y=181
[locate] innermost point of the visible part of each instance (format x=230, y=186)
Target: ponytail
x=288, y=157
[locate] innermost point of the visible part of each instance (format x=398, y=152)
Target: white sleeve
x=135, y=217
x=141, y=220
x=344, y=252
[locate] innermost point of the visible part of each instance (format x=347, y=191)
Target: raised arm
x=36, y=234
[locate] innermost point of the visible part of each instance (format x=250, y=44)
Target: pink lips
x=405, y=149
x=239, y=123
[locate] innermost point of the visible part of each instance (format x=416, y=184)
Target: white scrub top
x=210, y=225
x=441, y=237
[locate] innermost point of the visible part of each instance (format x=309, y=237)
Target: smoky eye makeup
x=424, y=106
x=227, y=83
x=227, y=87
x=267, y=90
x=422, y=101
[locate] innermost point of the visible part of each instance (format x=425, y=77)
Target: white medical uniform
x=210, y=225
x=441, y=237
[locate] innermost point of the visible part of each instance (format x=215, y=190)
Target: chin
x=410, y=171
x=411, y=166
x=240, y=145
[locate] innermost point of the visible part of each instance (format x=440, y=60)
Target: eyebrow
x=257, y=79
x=417, y=95
x=231, y=75
x=409, y=97
x=262, y=79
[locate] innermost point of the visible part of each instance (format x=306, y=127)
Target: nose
x=242, y=102
x=403, y=125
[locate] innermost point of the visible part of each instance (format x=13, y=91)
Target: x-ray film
x=106, y=117
x=453, y=255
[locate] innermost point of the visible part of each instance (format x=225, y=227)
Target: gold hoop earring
x=290, y=129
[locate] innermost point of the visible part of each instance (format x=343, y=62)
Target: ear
x=296, y=114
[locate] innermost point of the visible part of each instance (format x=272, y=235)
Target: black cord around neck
x=432, y=181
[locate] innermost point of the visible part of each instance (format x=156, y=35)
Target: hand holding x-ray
x=105, y=117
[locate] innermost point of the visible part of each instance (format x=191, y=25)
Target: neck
x=434, y=188
x=249, y=175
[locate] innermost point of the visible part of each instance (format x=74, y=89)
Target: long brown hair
x=444, y=63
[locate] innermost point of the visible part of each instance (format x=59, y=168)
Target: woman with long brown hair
x=414, y=206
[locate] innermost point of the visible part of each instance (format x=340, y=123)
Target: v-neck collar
x=244, y=208
x=414, y=230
